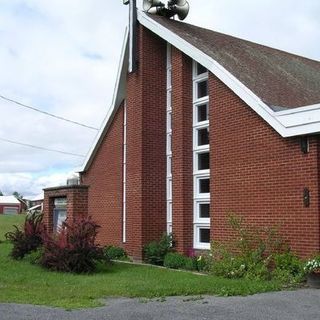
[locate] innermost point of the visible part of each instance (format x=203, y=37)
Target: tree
x=17, y=195
x=1, y=194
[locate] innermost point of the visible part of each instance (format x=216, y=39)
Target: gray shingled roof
x=280, y=79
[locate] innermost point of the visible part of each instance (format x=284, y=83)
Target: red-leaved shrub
x=73, y=249
x=28, y=239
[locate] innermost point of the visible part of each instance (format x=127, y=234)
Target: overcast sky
x=62, y=56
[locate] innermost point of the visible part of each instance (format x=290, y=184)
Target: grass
x=6, y=223
x=21, y=282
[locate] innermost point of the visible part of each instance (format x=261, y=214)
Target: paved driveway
x=294, y=305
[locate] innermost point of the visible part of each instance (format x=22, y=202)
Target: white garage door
x=8, y=210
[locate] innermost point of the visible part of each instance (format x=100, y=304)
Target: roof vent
x=173, y=7
x=73, y=180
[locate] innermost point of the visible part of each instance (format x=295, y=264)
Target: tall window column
x=201, y=158
x=169, y=140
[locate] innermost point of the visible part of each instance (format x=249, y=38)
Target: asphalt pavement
x=302, y=304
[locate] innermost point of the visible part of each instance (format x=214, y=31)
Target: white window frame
x=196, y=210
x=195, y=114
x=197, y=194
x=169, y=141
x=196, y=169
x=197, y=243
x=199, y=198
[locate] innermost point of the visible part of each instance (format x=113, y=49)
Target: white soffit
x=289, y=123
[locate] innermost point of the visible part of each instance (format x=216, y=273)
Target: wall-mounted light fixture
x=306, y=197
x=304, y=143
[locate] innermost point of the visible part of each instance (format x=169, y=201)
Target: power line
x=42, y=148
x=46, y=113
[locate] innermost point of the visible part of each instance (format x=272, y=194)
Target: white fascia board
x=281, y=121
x=118, y=96
x=304, y=120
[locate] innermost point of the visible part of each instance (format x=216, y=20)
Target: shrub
x=155, y=251
x=259, y=254
x=73, y=249
x=288, y=268
x=176, y=260
x=115, y=253
x=28, y=239
x=35, y=256
x=203, y=262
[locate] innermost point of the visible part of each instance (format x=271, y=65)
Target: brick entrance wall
x=77, y=202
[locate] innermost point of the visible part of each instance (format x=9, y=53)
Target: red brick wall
x=105, y=180
x=260, y=175
x=182, y=155
x=146, y=145
x=146, y=157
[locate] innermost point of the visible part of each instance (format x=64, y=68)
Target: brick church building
x=207, y=124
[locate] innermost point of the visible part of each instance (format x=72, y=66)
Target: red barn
x=206, y=124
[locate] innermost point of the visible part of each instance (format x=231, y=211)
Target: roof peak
x=231, y=36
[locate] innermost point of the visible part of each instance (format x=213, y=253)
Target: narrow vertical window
x=169, y=140
x=201, y=158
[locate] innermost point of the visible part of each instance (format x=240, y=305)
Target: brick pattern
x=182, y=159
x=260, y=175
x=105, y=180
x=77, y=202
x=146, y=145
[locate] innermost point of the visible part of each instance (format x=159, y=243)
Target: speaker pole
x=133, y=36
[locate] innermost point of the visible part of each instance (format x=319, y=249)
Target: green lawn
x=21, y=282
x=6, y=223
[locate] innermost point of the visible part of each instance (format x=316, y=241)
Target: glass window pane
x=169, y=141
x=169, y=196
x=169, y=165
x=203, y=161
x=169, y=119
x=204, y=210
x=202, y=114
x=204, y=185
x=169, y=215
x=202, y=89
x=203, y=136
x=200, y=69
x=204, y=235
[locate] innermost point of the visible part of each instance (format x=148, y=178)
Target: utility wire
x=47, y=113
x=41, y=148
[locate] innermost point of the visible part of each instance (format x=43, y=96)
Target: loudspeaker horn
x=148, y=4
x=180, y=7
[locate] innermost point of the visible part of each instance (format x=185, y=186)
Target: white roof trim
x=118, y=96
x=298, y=121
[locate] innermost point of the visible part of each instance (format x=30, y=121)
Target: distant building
x=10, y=205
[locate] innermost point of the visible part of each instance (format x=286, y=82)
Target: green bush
x=176, y=260
x=288, y=268
x=202, y=263
x=257, y=254
x=115, y=253
x=155, y=251
x=34, y=257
